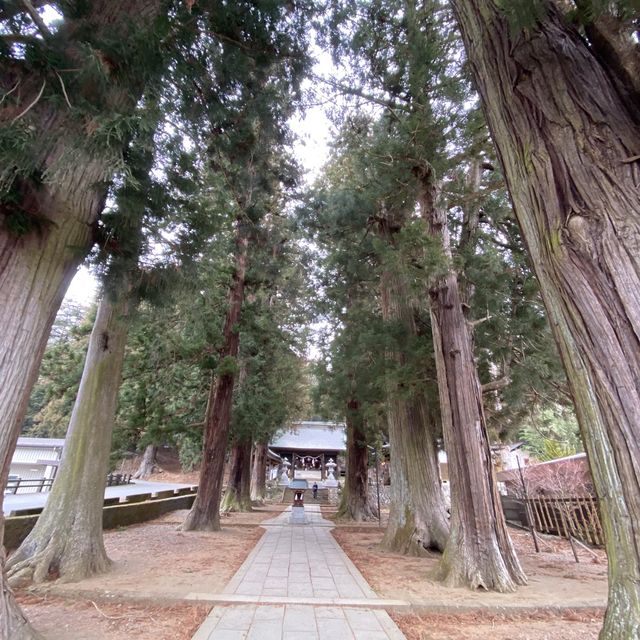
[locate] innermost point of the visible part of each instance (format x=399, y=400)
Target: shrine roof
x=311, y=436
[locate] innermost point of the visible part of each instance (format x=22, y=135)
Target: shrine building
x=309, y=446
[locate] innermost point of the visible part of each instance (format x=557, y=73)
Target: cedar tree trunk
x=259, y=473
x=238, y=494
x=479, y=552
x=205, y=513
x=148, y=462
x=355, y=503
x=66, y=542
x=418, y=516
x=36, y=268
x=570, y=150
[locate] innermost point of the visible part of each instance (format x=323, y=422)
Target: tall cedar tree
x=422, y=98
x=565, y=123
x=269, y=391
x=348, y=376
x=479, y=552
x=360, y=188
x=67, y=541
x=417, y=517
x=69, y=93
x=263, y=55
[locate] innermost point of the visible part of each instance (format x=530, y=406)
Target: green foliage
x=362, y=215
x=54, y=393
x=523, y=14
x=551, y=433
x=189, y=450
x=272, y=386
x=228, y=366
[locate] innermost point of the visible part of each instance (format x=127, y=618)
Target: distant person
x=315, y=490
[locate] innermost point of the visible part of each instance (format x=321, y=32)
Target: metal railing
x=116, y=479
x=37, y=486
x=41, y=485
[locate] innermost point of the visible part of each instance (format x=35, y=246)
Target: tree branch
x=474, y=323
x=64, y=91
x=37, y=20
x=6, y=95
x=19, y=37
x=354, y=91
x=495, y=385
x=33, y=104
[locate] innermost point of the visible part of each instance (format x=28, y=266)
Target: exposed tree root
x=13, y=624
x=67, y=558
x=233, y=502
x=356, y=510
x=148, y=464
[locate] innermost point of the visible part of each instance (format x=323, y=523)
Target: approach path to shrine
x=298, y=584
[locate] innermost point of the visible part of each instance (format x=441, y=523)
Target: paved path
x=298, y=584
x=14, y=502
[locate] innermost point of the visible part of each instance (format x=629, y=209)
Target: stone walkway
x=298, y=584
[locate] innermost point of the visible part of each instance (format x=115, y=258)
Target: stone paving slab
x=296, y=622
x=299, y=561
x=298, y=583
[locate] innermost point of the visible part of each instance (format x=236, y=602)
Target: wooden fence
x=577, y=517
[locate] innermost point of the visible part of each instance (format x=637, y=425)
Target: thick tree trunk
x=418, y=516
x=479, y=552
x=66, y=542
x=34, y=275
x=205, y=513
x=36, y=269
x=355, y=503
x=259, y=473
x=238, y=494
x=569, y=150
x=148, y=462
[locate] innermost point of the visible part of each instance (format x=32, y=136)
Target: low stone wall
x=16, y=528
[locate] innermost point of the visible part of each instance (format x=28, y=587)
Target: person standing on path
x=315, y=490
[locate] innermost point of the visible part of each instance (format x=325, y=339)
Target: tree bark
x=36, y=269
x=205, y=513
x=479, y=552
x=418, y=516
x=355, y=504
x=67, y=542
x=614, y=41
x=238, y=494
x=259, y=473
x=566, y=141
x=148, y=462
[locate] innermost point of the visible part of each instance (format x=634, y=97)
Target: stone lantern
x=284, y=476
x=331, y=479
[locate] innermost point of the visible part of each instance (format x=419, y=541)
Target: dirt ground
x=540, y=625
x=62, y=619
x=155, y=566
x=563, y=599
x=168, y=468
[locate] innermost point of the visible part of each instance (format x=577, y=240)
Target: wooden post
x=532, y=528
